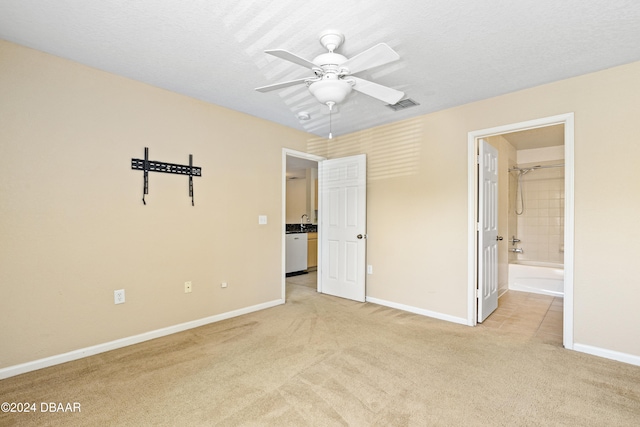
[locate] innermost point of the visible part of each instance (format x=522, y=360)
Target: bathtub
x=537, y=277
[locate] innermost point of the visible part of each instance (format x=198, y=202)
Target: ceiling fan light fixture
x=330, y=89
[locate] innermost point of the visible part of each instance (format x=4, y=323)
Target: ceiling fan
x=333, y=74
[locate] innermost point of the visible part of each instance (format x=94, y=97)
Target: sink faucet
x=302, y=219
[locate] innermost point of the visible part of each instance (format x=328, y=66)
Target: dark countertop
x=301, y=228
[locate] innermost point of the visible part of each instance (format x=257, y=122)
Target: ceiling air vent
x=403, y=105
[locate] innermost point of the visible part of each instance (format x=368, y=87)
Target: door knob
x=361, y=236
x=498, y=237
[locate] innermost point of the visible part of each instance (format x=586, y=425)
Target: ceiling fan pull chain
x=330, y=105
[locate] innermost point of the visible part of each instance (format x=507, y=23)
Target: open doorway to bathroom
x=535, y=221
x=531, y=197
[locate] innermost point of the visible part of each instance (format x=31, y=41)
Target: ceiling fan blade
x=282, y=85
x=375, y=56
x=291, y=57
x=383, y=93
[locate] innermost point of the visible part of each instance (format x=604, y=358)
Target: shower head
x=524, y=171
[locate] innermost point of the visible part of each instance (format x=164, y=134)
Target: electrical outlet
x=369, y=269
x=118, y=296
x=187, y=287
x=223, y=284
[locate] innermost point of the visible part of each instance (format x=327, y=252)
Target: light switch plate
x=118, y=296
x=262, y=219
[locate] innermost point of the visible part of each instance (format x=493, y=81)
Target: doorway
x=476, y=257
x=341, y=223
x=300, y=170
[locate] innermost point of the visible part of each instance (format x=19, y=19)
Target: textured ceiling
x=452, y=51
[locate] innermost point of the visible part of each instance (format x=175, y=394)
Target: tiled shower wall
x=540, y=228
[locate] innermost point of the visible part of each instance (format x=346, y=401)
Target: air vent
x=403, y=105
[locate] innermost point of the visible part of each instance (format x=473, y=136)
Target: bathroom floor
x=529, y=316
x=523, y=314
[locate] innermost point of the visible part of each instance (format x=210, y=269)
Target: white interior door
x=342, y=229
x=487, y=230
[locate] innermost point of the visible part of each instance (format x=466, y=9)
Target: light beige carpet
x=324, y=361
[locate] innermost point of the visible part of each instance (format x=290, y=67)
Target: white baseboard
x=608, y=354
x=11, y=371
x=421, y=311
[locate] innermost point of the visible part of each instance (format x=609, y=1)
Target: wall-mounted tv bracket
x=147, y=166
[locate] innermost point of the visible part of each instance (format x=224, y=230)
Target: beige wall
x=296, y=200
x=73, y=227
x=72, y=224
x=417, y=201
x=301, y=198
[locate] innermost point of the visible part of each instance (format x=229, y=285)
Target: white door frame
x=283, y=219
x=568, y=121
